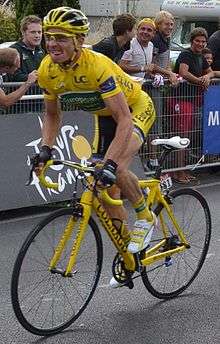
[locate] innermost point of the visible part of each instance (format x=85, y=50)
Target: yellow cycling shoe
x=141, y=235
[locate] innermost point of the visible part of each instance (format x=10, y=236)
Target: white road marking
x=103, y=286
x=206, y=185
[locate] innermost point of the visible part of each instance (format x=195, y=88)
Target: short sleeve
x=107, y=82
x=43, y=81
x=127, y=56
x=184, y=57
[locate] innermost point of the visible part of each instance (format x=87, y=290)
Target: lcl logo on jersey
x=80, y=79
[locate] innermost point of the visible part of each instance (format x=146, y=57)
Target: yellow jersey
x=86, y=85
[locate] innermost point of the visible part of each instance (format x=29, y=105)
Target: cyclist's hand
x=106, y=176
x=39, y=160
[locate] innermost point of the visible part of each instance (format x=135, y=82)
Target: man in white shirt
x=140, y=54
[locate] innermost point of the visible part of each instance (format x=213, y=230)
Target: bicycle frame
x=91, y=202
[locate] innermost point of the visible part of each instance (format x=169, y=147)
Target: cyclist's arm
x=51, y=122
x=121, y=114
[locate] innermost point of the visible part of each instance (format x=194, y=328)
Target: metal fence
x=179, y=112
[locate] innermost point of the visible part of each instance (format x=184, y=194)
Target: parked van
x=190, y=14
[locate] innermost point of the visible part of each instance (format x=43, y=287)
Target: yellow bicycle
x=58, y=267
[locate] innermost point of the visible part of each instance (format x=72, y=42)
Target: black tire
x=191, y=210
x=46, y=303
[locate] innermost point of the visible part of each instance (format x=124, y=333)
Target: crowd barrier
x=179, y=112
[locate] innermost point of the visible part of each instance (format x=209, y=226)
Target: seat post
x=166, y=151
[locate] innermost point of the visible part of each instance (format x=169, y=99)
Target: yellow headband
x=148, y=21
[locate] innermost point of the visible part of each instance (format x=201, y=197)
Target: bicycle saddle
x=175, y=142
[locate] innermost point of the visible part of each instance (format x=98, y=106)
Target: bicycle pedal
x=129, y=284
x=60, y=272
x=168, y=261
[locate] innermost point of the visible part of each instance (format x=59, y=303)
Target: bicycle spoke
x=166, y=280
x=46, y=302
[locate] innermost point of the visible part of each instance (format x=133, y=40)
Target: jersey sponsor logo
x=108, y=85
x=87, y=101
x=125, y=82
x=106, y=221
x=80, y=79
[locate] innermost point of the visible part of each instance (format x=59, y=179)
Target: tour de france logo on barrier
x=62, y=150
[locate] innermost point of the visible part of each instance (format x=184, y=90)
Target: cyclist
x=69, y=68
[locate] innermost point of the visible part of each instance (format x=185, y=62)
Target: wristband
x=111, y=165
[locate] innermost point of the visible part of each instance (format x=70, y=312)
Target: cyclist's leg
x=105, y=128
x=143, y=117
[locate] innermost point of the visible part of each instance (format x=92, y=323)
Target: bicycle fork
x=76, y=245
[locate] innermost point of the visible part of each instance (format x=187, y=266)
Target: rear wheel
x=168, y=278
x=46, y=303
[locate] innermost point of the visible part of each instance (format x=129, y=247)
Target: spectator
x=194, y=68
x=115, y=45
x=164, y=22
x=191, y=64
x=214, y=46
x=137, y=61
x=207, y=53
x=9, y=63
x=29, y=48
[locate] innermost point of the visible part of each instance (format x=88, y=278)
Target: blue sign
x=211, y=120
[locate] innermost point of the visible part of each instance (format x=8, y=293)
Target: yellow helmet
x=68, y=19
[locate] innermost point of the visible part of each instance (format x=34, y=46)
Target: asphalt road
x=126, y=316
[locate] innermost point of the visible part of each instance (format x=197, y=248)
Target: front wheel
x=46, y=303
x=168, y=278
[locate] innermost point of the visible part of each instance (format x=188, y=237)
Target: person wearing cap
x=137, y=61
x=71, y=70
